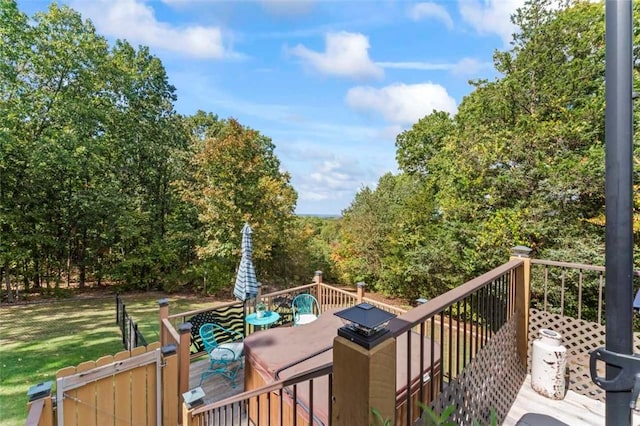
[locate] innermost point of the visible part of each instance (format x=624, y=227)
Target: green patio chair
x=225, y=359
x=305, y=309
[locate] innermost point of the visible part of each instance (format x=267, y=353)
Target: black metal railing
x=301, y=399
x=131, y=335
x=458, y=343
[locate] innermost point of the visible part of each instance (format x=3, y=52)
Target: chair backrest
x=208, y=335
x=305, y=304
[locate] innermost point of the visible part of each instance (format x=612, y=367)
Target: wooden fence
x=131, y=387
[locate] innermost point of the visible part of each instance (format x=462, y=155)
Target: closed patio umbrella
x=246, y=285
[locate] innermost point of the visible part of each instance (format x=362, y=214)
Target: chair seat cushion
x=306, y=319
x=227, y=352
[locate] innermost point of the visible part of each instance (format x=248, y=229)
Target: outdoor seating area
x=460, y=346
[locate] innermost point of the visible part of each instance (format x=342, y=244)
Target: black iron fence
x=131, y=336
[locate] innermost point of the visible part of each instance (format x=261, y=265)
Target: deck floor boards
x=216, y=388
x=574, y=409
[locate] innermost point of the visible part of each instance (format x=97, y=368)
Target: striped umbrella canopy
x=246, y=282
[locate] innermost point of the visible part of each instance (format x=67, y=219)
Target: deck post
x=186, y=415
x=170, y=397
x=163, y=313
x=359, y=292
x=363, y=379
x=184, y=357
x=40, y=408
x=317, y=279
x=523, y=294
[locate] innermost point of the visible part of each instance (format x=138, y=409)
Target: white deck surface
x=574, y=409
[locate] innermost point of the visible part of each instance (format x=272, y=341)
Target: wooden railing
x=265, y=405
x=332, y=297
x=469, y=356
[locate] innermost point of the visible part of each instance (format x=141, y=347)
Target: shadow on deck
x=216, y=388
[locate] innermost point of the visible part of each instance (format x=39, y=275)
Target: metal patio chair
x=225, y=358
x=305, y=309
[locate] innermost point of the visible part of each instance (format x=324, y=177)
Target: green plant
x=379, y=420
x=260, y=306
x=493, y=419
x=430, y=418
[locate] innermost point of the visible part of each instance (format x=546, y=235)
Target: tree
x=522, y=162
x=416, y=147
x=236, y=178
x=86, y=160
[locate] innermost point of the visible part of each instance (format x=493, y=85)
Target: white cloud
x=135, y=21
x=331, y=179
x=491, y=16
x=465, y=66
x=346, y=55
x=431, y=10
x=401, y=103
x=287, y=7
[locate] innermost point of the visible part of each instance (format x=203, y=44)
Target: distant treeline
x=102, y=181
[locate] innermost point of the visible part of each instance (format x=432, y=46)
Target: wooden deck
x=574, y=409
x=216, y=388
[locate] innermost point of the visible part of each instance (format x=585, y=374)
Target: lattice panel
x=580, y=338
x=490, y=381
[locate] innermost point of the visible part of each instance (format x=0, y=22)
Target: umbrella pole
x=619, y=208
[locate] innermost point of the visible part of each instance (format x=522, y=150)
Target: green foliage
x=236, y=178
x=521, y=163
x=380, y=421
x=100, y=179
x=430, y=418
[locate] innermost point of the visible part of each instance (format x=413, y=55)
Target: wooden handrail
x=338, y=290
x=172, y=331
x=320, y=371
x=385, y=306
x=421, y=313
x=289, y=290
x=35, y=412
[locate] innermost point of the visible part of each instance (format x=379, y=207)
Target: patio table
x=268, y=318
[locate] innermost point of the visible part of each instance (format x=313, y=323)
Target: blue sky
x=331, y=82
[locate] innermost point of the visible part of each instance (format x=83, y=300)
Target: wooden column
x=359, y=291
x=184, y=357
x=170, y=397
x=317, y=279
x=523, y=294
x=363, y=379
x=163, y=313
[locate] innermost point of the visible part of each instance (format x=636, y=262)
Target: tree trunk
x=82, y=261
x=7, y=279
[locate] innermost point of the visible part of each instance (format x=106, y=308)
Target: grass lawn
x=37, y=340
